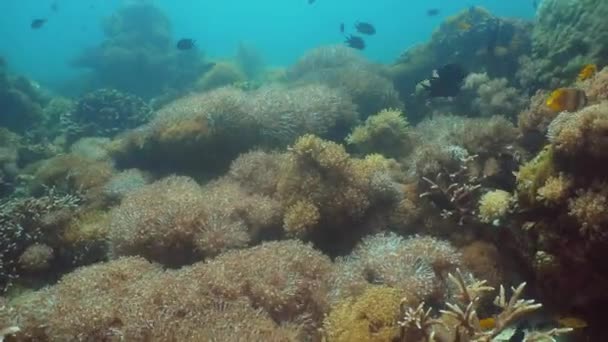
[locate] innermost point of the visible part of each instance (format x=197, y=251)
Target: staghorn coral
x=494, y=205
x=370, y=316
x=386, y=132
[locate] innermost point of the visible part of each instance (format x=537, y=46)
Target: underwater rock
x=138, y=54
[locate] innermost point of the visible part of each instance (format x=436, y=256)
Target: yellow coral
x=300, y=217
x=326, y=154
x=555, y=189
x=372, y=316
x=533, y=175
x=386, y=132
x=494, y=205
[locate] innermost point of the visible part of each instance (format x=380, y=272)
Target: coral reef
x=493, y=96
x=222, y=74
x=21, y=102
x=339, y=67
x=105, y=113
x=219, y=125
x=567, y=35
x=138, y=55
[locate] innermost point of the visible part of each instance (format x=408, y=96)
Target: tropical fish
x=186, y=44
x=432, y=12
x=587, y=72
x=37, y=23
x=446, y=81
x=571, y=322
x=365, y=28
x=355, y=42
x=487, y=323
x=567, y=99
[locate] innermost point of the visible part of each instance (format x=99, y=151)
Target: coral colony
x=332, y=200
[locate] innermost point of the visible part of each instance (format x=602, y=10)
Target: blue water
x=281, y=29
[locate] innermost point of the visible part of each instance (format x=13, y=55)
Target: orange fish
x=587, y=72
x=567, y=99
x=487, y=323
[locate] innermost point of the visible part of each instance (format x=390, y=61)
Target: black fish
x=310, y=2
x=186, y=44
x=447, y=82
x=37, y=23
x=432, y=12
x=355, y=42
x=341, y=27
x=365, y=28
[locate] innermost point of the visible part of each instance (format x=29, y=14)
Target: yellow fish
x=567, y=99
x=571, y=322
x=487, y=323
x=587, y=72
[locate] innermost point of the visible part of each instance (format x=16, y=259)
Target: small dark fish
x=432, y=12
x=365, y=28
x=341, y=27
x=355, y=42
x=54, y=6
x=186, y=44
x=310, y=2
x=446, y=82
x=37, y=23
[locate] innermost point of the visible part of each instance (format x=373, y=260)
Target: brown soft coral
x=590, y=209
x=320, y=174
x=583, y=133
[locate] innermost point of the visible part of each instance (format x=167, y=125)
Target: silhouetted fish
x=432, y=12
x=186, y=44
x=37, y=23
x=365, y=28
x=341, y=27
x=446, y=81
x=310, y=2
x=355, y=42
